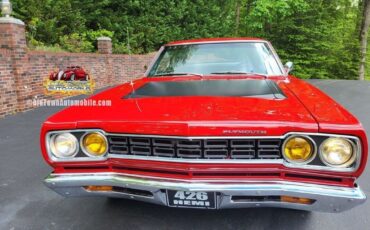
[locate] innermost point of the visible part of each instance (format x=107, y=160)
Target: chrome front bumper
x=327, y=198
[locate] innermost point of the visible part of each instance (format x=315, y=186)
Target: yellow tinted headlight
x=297, y=149
x=337, y=152
x=94, y=144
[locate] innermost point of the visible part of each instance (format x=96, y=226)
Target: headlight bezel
x=357, y=149
x=80, y=156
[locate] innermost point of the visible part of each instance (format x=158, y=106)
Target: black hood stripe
x=226, y=88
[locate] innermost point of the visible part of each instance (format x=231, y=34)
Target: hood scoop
x=224, y=88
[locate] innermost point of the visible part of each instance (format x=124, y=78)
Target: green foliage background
x=319, y=36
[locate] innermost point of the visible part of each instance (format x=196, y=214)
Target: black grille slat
x=268, y=149
x=164, y=152
x=268, y=143
x=139, y=141
x=242, y=153
x=189, y=143
x=215, y=153
x=215, y=144
x=269, y=154
x=163, y=142
x=140, y=150
x=189, y=153
x=242, y=143
x=118, y=144
x=206, y=148
x=118, y=149
x=118, y=140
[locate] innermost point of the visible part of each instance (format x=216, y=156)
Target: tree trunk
x=237, y=19
x=363, y=37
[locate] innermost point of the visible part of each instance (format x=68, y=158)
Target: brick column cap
x=104, y=39
x=11, y=20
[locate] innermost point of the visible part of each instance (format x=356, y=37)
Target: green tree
x=319, y=36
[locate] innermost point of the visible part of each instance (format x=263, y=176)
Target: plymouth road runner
x=214, y=123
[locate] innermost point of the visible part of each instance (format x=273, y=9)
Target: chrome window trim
x=355, y=139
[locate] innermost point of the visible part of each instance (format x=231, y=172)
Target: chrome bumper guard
x=153, y=190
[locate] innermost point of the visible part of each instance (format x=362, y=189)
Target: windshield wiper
x=236, y=72
x=178, y=74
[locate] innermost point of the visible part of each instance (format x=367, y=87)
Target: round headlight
x=64, y=145
x=298, y=149
x=337, y=152
x=94, y=144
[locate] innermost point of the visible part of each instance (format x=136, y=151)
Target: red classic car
x=214, y=123
x=72, y=73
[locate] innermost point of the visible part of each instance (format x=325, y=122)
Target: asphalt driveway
x=26, y=204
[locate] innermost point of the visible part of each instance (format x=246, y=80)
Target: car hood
x=149, y=106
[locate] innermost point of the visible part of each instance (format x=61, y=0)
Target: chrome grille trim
x=205, y=148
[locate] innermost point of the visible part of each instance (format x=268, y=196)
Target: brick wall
x=8, y=94
x=22, y=72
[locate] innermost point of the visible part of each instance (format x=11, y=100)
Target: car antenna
x=133, y=92
x=132, y=86
x=131, y=82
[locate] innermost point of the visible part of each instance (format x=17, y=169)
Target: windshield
x=216, y=58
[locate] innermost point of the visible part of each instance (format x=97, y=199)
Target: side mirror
x=288, y=67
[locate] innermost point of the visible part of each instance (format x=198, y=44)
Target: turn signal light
x=94, y=188
x=298, y=200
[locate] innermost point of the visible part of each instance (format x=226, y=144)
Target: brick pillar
x=13, y=45
x=105, y=45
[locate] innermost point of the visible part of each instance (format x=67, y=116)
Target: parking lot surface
x=25, y=203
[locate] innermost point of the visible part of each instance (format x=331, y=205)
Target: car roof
x=213, y=40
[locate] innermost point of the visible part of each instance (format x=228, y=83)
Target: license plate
x=184, y=199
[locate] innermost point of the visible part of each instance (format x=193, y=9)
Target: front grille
x=195, y=149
